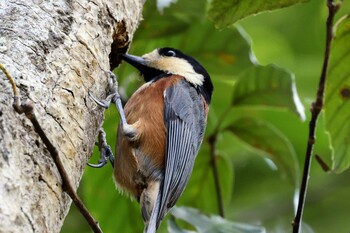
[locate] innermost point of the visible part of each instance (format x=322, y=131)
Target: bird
x=161, y=130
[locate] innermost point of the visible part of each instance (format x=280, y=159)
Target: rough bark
x=56, y=51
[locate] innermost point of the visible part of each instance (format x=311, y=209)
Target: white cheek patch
x=178, y=66
x=174, y=65
x=152, y=56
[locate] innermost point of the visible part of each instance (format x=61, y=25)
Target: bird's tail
x=152, y=225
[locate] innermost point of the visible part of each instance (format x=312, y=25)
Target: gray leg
x=128, y=130
x=113, y=90
x=114, y=97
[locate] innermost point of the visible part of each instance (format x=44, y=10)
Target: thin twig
x=212, y=139
x=322, y=163
x=316, y=108
x=8, y=76
x=28, y=110
x=212, y=144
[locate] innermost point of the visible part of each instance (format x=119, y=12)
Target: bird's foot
x=105, y=151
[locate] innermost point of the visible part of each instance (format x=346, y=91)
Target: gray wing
x=185, y=121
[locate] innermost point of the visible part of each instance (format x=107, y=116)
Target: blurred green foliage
x=225, y=13
x=337, y=104
x=261, y=141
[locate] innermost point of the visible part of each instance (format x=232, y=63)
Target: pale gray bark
x=56, y=51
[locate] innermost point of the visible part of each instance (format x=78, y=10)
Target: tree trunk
x=56, y=51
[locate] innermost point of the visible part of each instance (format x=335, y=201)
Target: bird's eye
x=170, y=53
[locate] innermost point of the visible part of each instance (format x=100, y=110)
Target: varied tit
x=162, y=130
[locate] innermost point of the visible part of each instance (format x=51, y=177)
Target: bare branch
x=316, y=108
x=322, y=163
x=212, y=144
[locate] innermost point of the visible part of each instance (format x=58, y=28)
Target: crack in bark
x=30, y=47
x=28, y=218
x=54, y=86
x=110, y=14
x=7, y=29
x=94, y=3
x=74, y=70
x=90, y=50
x=85, y=102
x=65, y=132
x=79, y=4
x=68, y=90
x=19, y=4
x=41, y=179
x=82, y=128
x=37, y=59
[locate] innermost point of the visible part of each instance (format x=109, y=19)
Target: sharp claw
x=104, y=104
x=103, y=162
x=111, y=159
x=106, y=153
x=109, y=155
x=99, y=165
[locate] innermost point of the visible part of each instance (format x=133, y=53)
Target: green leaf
x=226, y=12
x=337, y=97
x=266, y=140
x=268, y=86
x=181, y=14
x=174, y=228
x=206, y=224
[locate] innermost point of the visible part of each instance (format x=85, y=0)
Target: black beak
x=139, y=63
x=135, y=61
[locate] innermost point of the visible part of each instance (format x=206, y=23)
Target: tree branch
x=316, y=108
x=28, y=110
x=212, y=143
x=322, y=163
x=212, y=139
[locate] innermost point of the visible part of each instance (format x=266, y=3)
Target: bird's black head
x=166, y=61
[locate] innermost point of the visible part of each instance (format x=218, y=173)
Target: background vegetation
x=256, y=114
